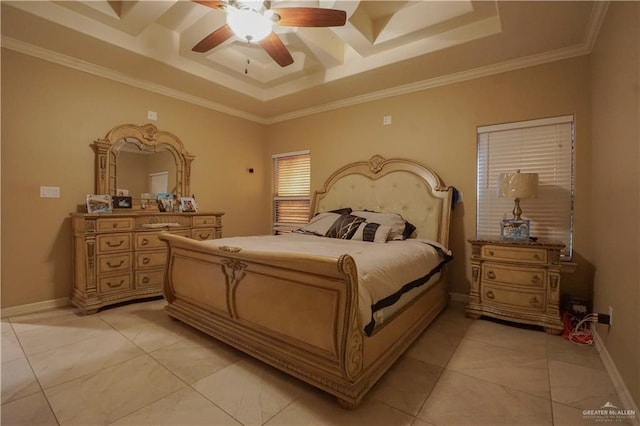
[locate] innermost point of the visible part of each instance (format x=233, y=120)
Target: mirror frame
x=148, y=138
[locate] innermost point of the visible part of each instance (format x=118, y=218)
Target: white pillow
x=320, y=224
x=392, y=220
x=373, y=232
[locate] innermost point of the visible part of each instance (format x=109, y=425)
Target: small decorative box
x=514, y=229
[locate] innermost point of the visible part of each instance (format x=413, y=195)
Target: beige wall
x=615, y=194
x=438, y=128
x=50, y=115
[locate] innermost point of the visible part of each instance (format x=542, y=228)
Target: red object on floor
x=570, y=322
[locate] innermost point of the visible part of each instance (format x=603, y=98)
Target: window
x=542, y=146
x=292, y=190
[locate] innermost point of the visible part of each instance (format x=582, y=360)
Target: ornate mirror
x=135, y=158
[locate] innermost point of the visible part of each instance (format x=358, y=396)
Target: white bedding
x=383, y=269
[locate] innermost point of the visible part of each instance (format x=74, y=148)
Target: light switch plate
x=50, y=192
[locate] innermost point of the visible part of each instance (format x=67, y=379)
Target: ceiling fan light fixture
x=249, y=25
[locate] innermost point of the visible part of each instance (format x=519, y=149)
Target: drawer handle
x=145, y=280
x=534, y=301
x=536, y=256
x=491, y=275
x=536, y=279
x=115, y=285
x=491, y=253
x=490, y=295
x=115, y=225
x=115, y=245
x=203, y=237
x=145, y=260
x=115, y=266
x=144, y=242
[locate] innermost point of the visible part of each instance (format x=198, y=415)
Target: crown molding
x=511, y=65
x=595, y=23
x=100, y=71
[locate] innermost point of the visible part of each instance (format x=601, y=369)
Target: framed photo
x=514, y=230
x=122, y=202
x=98, y=203
x=188, y=204
x=165, y=202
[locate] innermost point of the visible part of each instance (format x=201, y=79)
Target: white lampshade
x=518, y=185
x=248, y=24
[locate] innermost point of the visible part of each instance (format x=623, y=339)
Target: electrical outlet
x=610, y=316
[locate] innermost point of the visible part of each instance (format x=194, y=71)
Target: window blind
x=537, y=146
x=292, y=190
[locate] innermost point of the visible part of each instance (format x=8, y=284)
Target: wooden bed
x=299, y=313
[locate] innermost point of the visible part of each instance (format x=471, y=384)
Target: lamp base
x=517, y=211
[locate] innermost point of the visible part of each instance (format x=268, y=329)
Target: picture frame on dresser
x=122, y=202
x=188, y=205
x=99, y=203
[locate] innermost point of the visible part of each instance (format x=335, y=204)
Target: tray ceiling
x=385, y=48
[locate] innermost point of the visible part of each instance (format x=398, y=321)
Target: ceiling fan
x=253, y=22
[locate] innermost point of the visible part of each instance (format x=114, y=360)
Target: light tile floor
x=132, y=365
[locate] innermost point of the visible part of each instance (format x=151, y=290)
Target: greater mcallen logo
x=609, y=412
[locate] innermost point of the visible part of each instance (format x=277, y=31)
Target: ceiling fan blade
x=277, y=50
x=310, y=17
x=214, y=39
x=213, y=4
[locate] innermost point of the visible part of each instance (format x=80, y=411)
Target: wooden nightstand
x=516, y=281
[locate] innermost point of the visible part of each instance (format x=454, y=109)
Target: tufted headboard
x=391, y=185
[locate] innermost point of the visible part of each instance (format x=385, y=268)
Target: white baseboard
x=459, y=297
x=623, y=392
x=31, y=308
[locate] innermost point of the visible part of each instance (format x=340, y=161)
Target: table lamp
x=517, y=185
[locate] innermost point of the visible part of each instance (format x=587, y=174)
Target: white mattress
x=384, y=269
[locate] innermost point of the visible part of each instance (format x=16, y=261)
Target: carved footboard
x=297, y=313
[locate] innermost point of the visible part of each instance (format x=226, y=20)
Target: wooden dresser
x=119, y=257
x=516, y=281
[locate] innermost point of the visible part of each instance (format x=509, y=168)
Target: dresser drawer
x=114, y=262
x=149, y=240
x=204, y=221
x=115, y=223
x=517, y=254
x=113, y=242
x=150, y=278
x=203, y=234
x=151, y=259
x=495, y=272
x=513, y=299
x=114, y=283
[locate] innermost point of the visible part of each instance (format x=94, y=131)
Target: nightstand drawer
x=518, y=299
x=113, y=242
x=517, y=254
x=495, y=272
